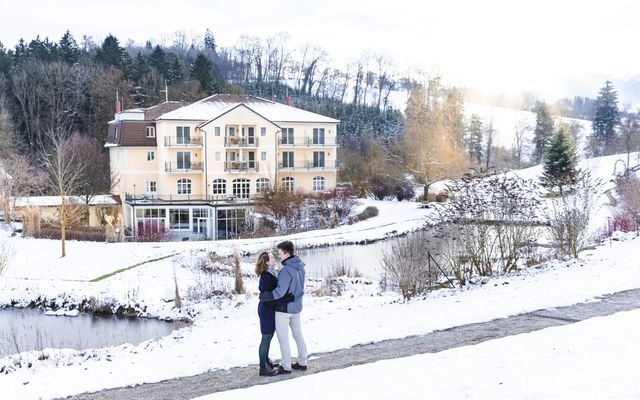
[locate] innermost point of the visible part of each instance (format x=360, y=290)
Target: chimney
x=287, y=100
x=117, y=103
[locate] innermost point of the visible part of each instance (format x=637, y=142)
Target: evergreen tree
x=543, y=132
x=110, y=53
x=559, y=163
x=209, y=41
x=68, y=48
x=607, y=118
x=475, y=138
x=175, y=71
x=158, y=60
x=140, y=68
x=5, y=60
x=203, y=70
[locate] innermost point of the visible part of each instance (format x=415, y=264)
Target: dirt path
x=222, y=380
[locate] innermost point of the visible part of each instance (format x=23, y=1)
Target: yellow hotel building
x=194, y=170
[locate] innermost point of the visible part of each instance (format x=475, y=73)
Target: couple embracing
x=280, y=307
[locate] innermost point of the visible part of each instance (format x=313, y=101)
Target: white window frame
x=151, y=155
x=289, y=183
x=150, y=132
x=151, y=187
x=263, y=131
x=263, y=156
x=290, y=159
x=318, y=184
x=262, y=184
x=219, y=186
x=241, y=188
x=216, y=131
x=183, y=186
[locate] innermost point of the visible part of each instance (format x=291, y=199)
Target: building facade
x=195, y=170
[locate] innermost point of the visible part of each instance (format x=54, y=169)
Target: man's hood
x=294, y=262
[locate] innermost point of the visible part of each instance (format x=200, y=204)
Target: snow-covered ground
x=594, y=359
x=225, y=332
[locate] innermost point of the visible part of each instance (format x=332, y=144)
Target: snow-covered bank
x=227, y=337
x=594, y=359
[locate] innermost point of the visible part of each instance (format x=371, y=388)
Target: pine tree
x=543, y=132
x=175, y=72
x=607, y=118
x=69, y=48
x=475, y=138
x=209, y=41
x=158, y=60
x=110, y=53
x=204, y=71
x=559, y=162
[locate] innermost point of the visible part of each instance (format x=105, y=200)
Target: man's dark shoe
x=266, y=371
x=281, y=370
x=271, y=364
x=299, y=367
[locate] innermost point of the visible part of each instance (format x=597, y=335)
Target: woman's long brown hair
x=261, y=263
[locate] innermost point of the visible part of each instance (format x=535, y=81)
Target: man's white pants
x=283, y=322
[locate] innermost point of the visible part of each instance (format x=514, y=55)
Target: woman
x=267, y=310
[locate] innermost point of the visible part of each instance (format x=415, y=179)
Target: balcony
x=241, y=166
x=169, y=198
x=243, y=141
x=184, y=167
x=307, y=141
x=327, y=165
x=178, y=141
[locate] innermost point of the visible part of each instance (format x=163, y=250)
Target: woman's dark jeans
x=263, y=350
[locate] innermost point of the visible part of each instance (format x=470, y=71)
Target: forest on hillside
x=67, y=89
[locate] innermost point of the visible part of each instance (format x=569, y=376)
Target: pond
x=363, y=257
x=29, y=329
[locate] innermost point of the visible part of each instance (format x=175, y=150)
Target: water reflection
x=29, y=329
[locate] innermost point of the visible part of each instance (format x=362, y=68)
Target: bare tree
x=429, y=141
x=630, y=135
x=65, y=170
x=570, y=214
x=25, y=178
x=520, y=129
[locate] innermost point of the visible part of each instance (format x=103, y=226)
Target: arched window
x=262, y=184
x=219, y=186
x=288, y=183
x=184, y=186
x=241, y=188
x=318, y=184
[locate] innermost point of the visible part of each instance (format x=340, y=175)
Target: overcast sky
x=506, y=44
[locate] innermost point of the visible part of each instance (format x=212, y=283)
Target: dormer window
x=117, y=131
x=151, y=132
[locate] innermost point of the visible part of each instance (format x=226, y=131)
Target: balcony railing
x=171, y=166
x=241, y=166
x=307, y=141
x=146, y=198
x=177, y=141
x=246, y=141
x=327, y=165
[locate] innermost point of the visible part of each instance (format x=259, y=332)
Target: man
x=291, y=279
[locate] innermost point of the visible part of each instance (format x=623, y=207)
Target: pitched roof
x=213, y=106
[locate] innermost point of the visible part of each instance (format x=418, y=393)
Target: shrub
x=370, y=211
x=332, y=283
x=404, y=191
x=406, y=264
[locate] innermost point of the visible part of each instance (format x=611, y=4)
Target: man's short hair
x=286, y=246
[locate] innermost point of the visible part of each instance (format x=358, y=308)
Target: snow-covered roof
x=54, y=201
x=214, y=106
